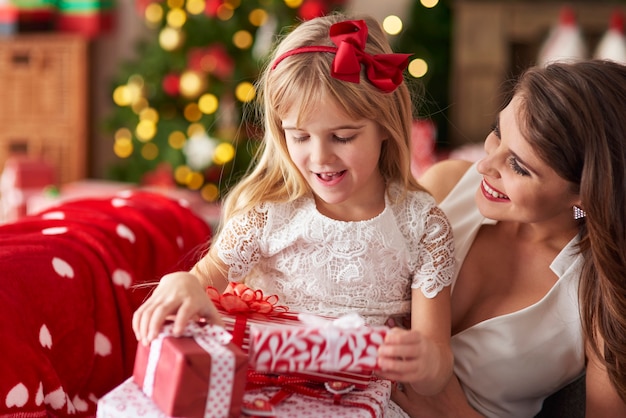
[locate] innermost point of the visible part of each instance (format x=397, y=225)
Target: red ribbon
x=289, y=385
x=242, y=302
x=383, y=70
x=240, y=299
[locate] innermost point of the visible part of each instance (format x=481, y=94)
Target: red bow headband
x=383, y=70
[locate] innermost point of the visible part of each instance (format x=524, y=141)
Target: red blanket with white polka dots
x=68, y=288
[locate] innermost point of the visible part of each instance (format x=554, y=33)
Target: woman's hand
x=408, y=356
x=450, y=402
x=179, y=294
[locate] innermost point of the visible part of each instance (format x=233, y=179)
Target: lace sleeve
x=238, y=243
x=435, y=255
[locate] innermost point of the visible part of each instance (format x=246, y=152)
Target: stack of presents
x=86, y=17
x=265, y=361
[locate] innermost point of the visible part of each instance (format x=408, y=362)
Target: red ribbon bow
x=240, y=299
x=382, y=70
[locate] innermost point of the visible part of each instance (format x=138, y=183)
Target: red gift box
x=201, y=374
x=342, y=345
x=242, y=307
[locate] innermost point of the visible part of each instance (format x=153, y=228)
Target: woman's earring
x=579, y=213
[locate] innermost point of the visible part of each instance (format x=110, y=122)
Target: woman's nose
x=487, y=164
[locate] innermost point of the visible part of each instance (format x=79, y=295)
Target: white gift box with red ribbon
x=242, y=308
x=344, y=344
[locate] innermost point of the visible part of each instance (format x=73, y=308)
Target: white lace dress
x=320, y=265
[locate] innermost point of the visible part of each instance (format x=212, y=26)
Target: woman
x=540, y=233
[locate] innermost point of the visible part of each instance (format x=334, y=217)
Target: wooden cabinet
x=493, y=41
x=43, y=100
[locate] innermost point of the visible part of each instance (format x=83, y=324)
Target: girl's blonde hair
x=304, y=81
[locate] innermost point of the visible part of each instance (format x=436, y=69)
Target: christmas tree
x=179, y=115
x=427, y=35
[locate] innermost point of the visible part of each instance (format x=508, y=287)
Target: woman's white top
x=324, y=266
x=509, y=364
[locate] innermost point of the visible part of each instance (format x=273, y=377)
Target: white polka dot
x=56, y=399
x=102, y=345
x=125, y=232
x=181, y=242
x=93, y=398
x=17, y=396
x=118, y=203
x=122, y=278
x=71, y=409
x=62, y=268
x=54, y=215
x=183, y=202
x=55, y=231
x=80, y=404
x=45, y=339
x=39, y=395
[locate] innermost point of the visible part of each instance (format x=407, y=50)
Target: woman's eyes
x=496, y=129
x=511, y=160
x=516, y=167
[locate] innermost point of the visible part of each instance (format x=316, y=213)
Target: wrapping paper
x=201, y=374
x=127, y=400
x=288, y=398
x=342, y=345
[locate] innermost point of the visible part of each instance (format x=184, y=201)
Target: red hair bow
x=383, y=70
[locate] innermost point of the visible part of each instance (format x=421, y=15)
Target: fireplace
x=493, y=41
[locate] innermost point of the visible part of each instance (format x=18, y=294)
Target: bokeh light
x=245, y=92
x=208, y=103
x=176, y=139
x=392, y=25
x=150, y=151
x=418, y=68
x=258, y=17
x=224, y=153
x=429, y=3
x=242, y=39
x=176, y=18
x=195, y=7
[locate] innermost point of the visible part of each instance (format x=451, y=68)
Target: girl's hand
x=408, y=356
x=178, y=294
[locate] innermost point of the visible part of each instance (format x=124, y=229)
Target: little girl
x=330, y=218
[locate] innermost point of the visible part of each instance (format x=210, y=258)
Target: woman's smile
x=491, y=193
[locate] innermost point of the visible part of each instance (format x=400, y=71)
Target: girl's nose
x=321, y=152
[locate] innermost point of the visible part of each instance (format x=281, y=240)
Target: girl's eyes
x=336, y=138
x=343, y=139
x=516, y=167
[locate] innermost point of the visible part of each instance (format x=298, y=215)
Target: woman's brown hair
x=574, y=115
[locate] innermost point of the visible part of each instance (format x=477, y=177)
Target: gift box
x=345, y=344
x=242, y=308
x=288, y=396
x=128, y=400
x=201, y=374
